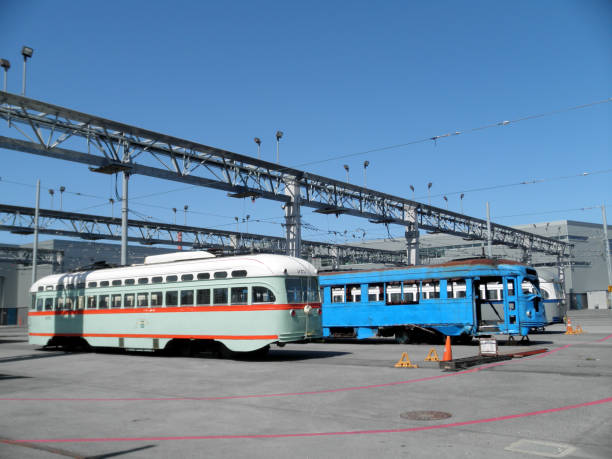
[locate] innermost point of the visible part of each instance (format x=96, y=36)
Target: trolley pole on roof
x=35, y=248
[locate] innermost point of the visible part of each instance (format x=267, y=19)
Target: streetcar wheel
x=402, y=336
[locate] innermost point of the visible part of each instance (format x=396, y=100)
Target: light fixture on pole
x=112, y=203
x=257, y=140
x=446, y=199
x=5, y=64
x=26, y=52
x=174, y=210
x=461, y=201
x=365, y=178
x=346, y=168
x=412, y=189
x=185, y=209
x=428, y=192
x=247, y=222
x=62, y=189
x=51, y=192
x=237, y=224
x=279, y=135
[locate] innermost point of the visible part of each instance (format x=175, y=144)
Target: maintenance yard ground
x=317, y=400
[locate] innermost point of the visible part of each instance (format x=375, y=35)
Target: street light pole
x=26, y=52
x=365, y=179
x=346, y=168
x=5, y=64
x=461, y=200
x=258, y=142
x=279, y=135
x=428, y=192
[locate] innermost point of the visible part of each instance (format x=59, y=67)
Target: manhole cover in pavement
x=425, y=415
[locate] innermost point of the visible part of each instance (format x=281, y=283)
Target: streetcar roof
x=257, y=265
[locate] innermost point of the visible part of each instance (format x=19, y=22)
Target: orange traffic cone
x=448, y=352
x=569, y=330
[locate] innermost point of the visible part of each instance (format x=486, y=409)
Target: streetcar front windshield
x=530, y=286
x=302, y=289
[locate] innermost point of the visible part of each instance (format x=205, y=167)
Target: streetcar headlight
x=307, y=309
x=528, y=313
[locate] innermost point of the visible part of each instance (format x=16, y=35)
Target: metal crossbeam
x=20, y=220
x=111, y=147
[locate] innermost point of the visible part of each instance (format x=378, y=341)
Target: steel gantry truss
x=111, y=147
x=20, y=220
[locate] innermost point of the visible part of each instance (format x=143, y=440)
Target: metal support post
x=292, y=219
x=412, y=235
x=489, y=235
x=124, y=220
x=35, y=248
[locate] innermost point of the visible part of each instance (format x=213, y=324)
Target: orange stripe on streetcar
x=168, y=309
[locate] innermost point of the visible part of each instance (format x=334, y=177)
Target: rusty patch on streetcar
x=425, y=415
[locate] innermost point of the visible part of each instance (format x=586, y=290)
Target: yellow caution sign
x=404, y=362
x=432, y=356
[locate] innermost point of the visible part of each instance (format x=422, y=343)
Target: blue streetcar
x=466, y=298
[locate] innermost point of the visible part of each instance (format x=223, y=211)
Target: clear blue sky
x=338, y=78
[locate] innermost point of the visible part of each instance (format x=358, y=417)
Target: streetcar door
x=489, y=305
x=511, y=305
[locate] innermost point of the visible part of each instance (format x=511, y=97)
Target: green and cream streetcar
x=180, y=301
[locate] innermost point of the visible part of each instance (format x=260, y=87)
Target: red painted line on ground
x=312, y=434
x=284, y=394
x=604, y=339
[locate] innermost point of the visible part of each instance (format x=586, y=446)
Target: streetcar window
x=69, y=302
x=129, y=281
x=40, y=288
x=35, y=302
x=455, y=288
x=203, y=276
x=302, y=289
x=69, y=286
x=128, y=300
x=262, y=295
x=375, y=292
x=220, y=296
x=510, y=287
x=80, y=304
x=202, y=296
x=59, y=287
x=354, y=293
x=172, y=298
x=511, y=305
x=80, y=285
x=103, y=301
x=187, y=277
x=239, y=273
x=143, y=280
x=116, y=301
x=411, y=291
x=337, y=294
x=91, y=302
x=92, y=284
x=103, y=283
x=220, y=275
x=171, y=278
x=142, y=300
x=186, y=297
x=157, y=280
x=157, y=298
x=394, y=293
x=240, y=295
x=60, y=302
x=48, y=304
x=430, y=289
x=49, y=287
x=116, y=282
